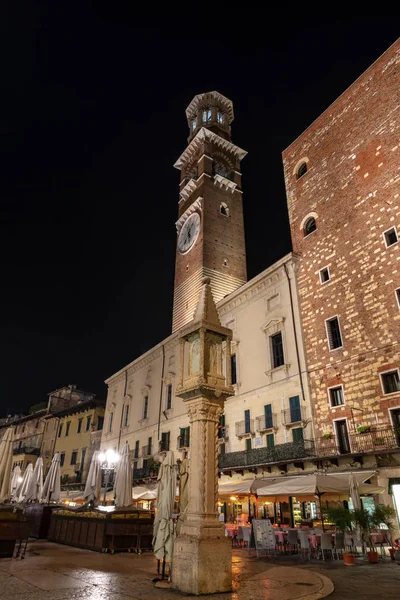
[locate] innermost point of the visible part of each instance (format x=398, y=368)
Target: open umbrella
x=15, y=480
x=164, y=530
x=6, y=456
x=93, y=482
x=123, y=479
x=35, y=488
x=23, y=487
x=183, y=493
x=52, y=484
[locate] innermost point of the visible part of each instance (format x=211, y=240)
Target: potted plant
x=364, y=429
x=365, y=520
x=327, y=436
x=342, y=519
x=386, y=515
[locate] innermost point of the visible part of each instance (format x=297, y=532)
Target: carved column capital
x=204, y=410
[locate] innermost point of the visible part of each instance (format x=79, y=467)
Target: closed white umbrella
x=20, y=495
x=15, y=480
x=52, y=484
x=123, y=479
x=35, y=489
x=6, y=455
x=355, y=491
x=93, y=482
x=183, y=493
x=164, y=530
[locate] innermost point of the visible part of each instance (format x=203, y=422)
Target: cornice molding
x=198, y=100
x=205, y=135
x=188, y=190
x=197, y=205
x=224, y=183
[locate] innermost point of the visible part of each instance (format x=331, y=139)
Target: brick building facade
x=343, y=191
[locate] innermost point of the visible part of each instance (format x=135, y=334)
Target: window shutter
x=247, y=421
x=268, y=416
x=295, y=412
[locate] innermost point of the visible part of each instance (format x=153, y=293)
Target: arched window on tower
x=309, y=226
x=193, y=124
x=224, y=209
x=302, y=170
x=220, y=117
x=206, y=115
x=223, y=169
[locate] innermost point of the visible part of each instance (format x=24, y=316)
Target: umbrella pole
x=320, y=508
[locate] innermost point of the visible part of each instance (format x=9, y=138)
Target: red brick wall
x=353, y=185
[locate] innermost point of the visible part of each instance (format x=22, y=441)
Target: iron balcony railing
x=264, y=422
x=264, y=456
x=244, y=427
x=147, y=471
x=375, y=440
x=290, y=416
x=27, y=450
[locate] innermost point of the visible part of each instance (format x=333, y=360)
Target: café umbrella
x=93, y=482
x=15, y=480
x=6, y=457
x=35, y=488
x=123, y=479
x=183, y=493
x=20, y=495
x=52, y=484
x=164, y=530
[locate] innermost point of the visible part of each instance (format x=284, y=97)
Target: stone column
x=202, y=562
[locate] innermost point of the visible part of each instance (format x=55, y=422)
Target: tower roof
x=210, y=97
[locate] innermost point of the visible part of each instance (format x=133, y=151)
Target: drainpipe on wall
x=295, y=333
x=161, y=395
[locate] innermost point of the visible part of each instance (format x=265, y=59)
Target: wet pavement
x=56, y=572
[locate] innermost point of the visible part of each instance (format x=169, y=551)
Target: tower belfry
x=210, y=226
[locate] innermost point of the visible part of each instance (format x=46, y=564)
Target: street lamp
x=108, y=461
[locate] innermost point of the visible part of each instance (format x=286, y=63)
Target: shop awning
x=335, y=483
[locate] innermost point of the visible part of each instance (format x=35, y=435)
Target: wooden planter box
x=129, y=530
x=39, y=516
x=12, y=529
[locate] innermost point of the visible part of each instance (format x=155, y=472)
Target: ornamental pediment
x=273, y=326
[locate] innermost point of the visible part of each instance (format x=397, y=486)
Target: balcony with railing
x=280, y=453
x=243, y=428
x=149, y=470
x=293, y=416
x=266, y=422
x=374, y=440
x=33, y=450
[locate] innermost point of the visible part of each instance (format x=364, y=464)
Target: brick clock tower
x=210, y=230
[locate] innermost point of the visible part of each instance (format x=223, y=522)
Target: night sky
x=92, y=121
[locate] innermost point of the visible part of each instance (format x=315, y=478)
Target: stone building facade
x=269, y=418
x=343, y=191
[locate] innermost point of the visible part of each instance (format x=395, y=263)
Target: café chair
x=292, y=541
x=304, y=544
x=326, y=545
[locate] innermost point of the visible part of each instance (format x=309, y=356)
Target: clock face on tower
x=189, y=233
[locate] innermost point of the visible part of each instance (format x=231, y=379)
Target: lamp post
x=108, y=461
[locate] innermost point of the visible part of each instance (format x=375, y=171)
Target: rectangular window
x=67, y=429
x=295, y=410
x=270, y=439
x=248, y=444
x=298, y=434
x=62, y=459
x=168, y=403
x=88, y=421
x=149, y=446
x=165, y=437
x=233, y=369
x=342, y=436
x=277, y=350
x=136, y=453
x=390, y=237
x=268, y=416
x=220, y=117
x=184, y=437
x=145, y=407
x=209, y=115
x=74, y=456
x=126, y=417
x=60, y=430
x=204, y=116
x=397, y=292
x=83, y=455
x=110, y=422
x=324, y=275
x=79, y=426
x=221, y=427
x=100, y=423
x=336, y=396
x=247, y=421
x=334, y=335
x=390, y=382
x=193, y=124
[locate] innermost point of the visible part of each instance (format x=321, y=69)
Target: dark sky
x=92, y=121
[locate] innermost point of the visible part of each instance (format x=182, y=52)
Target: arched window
x=223, y=169
x=309, y=226
x=224, y=209
x=302, y=170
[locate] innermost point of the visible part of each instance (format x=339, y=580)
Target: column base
x=202, y=565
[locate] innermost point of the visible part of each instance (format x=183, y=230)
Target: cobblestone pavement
x=56, y=572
